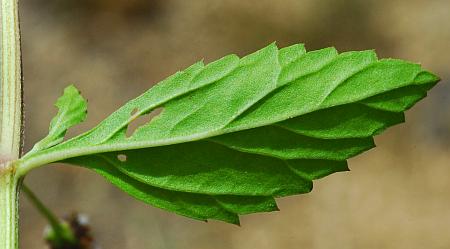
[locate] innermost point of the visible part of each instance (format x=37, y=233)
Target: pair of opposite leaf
x=238, y=132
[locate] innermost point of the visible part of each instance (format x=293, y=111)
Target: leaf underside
x=72, y=110
x=238, y=132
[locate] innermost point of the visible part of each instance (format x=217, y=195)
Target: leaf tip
x=426, y=77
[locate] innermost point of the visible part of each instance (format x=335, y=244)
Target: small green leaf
x=236, y=133
x=72, y=110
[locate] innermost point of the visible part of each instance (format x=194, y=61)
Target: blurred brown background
x=397, y=196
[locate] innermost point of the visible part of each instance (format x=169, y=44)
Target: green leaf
x=236, y=133
x=72, y=110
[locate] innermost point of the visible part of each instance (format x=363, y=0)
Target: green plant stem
x=62, y=234
x=9, y=211
x=51, y=218
x=10, y=122
x=11, y=82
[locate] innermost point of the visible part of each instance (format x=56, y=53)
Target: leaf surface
x=238, y=132
x=72, y=110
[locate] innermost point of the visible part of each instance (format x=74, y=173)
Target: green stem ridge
x=10, y=122
x=11, y=82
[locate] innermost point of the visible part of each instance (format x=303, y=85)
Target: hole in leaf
x=122, y=157
x=141, y=120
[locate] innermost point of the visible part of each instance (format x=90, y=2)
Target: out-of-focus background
x=397, y=195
